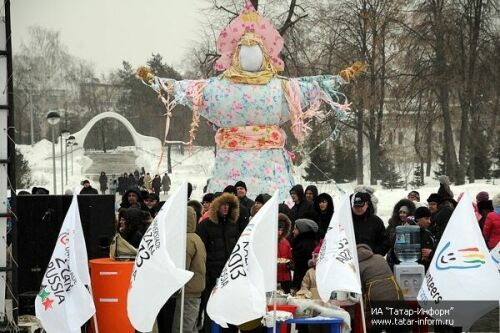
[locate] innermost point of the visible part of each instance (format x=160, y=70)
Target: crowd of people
x=218, y=220
x=137, y=179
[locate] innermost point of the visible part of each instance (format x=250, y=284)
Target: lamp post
x=63, y=134
x=53, y=119
x=69, y=142
x=64, y=137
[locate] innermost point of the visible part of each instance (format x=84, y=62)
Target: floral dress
x=250, y=141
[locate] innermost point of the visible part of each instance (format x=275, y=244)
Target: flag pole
x=362, y=305
x=274, y=311
x=94, y=317
x=182, y=310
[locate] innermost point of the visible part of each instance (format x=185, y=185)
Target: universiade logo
x=464, y=258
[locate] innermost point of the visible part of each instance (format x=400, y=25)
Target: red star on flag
x=47, y=303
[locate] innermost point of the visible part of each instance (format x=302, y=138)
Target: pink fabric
x=230, y=36
x=250, y=137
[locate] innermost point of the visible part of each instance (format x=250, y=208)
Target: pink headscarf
x=249, y=20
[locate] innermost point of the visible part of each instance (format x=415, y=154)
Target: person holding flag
x=239, y=297
x=461, y=270
x=64, y=304
x=159, y=268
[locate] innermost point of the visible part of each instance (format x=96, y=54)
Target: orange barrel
x=110, y=281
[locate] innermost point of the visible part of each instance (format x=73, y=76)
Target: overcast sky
x=109, y=31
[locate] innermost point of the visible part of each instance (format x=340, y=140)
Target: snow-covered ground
x=196, y=166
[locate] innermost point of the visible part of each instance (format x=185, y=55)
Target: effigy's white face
x=251, y=58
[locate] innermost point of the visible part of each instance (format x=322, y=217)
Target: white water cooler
x=409, y=275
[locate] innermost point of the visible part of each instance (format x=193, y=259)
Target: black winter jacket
x=220, y=235
x=302, y=247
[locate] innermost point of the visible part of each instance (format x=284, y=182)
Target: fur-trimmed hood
x=234, y=207
x=287, y=225
x=394, y=220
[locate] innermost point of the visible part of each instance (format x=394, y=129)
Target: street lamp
x=64, y=136
x=69, y=142
x=53, y=119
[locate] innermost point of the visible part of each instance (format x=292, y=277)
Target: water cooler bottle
x=409, y=274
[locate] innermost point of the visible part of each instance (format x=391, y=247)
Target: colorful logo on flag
x=464, y=258
x=46, y=300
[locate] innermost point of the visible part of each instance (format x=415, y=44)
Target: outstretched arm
x=185, y=92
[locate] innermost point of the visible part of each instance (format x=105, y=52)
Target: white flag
x=64, y=304
x=156, y=276
x=240, y=293
x=495, y=254
x=337, y=268
x=461, y=270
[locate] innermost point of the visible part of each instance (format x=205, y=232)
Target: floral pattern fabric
x=232, y=105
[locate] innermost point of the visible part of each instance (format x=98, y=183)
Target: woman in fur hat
x=285, y=260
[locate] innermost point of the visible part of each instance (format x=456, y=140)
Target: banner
x=461, y=270
x=337, y=268
x=156, y=275
x=64, y=304
x=240, y=293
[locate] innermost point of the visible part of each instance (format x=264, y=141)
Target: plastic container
x=407, y=244
x=110, y=281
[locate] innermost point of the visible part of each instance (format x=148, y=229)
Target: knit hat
x=482, y=196
x=485, y=205
x=422, y=212
x=240, y=183
x=434, y=197
x=262, y=198
x=209, y=197
x=496, y=201
x=230, y=189
x=306, y=225
x=415, y=194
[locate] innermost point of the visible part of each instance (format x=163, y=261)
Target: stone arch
x=140, y=140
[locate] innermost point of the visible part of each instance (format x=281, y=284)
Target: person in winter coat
x=147, y=182
x=440, y=215
x=165, y=183
x=403, y=209
x=219, y=233
x=303, y=244
x=241, y=193
x=484, y=207
x=491, y=229
x=87, y=188
x=308, y=286
x=206, y=202
x=196, y=257
x=301, y=208
x=132, y=198
x=103, y=182
x=156, y=184
x=323, y=205
x=285, y=259
x=427, y=241
x=311, y=193
x=368, y=227
x=260, y=201
x=133, y=226
x=377, y=281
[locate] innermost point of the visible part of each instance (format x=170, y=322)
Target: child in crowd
x=308, y=287
x=285, y=261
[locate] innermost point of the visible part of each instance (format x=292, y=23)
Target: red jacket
x=491, y=230
x=284, y=251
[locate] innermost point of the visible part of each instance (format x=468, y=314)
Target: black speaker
x=40, y=218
